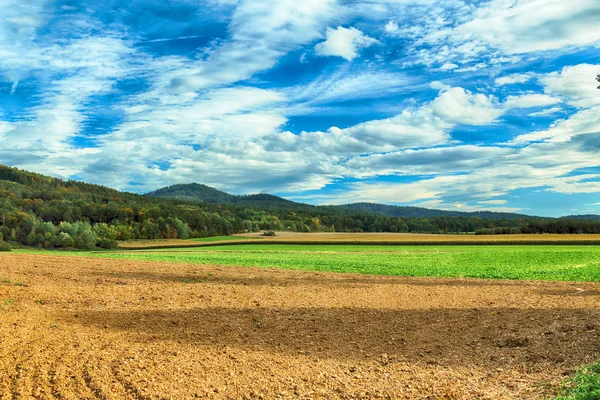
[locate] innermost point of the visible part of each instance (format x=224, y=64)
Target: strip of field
x=550, y=263
x=78, y=328
x=364, y=238
x=416, y=237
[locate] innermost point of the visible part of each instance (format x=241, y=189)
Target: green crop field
x=555, y=263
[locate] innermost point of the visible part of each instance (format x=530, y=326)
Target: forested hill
x=194, y=192
x=37, y=210
x=201, y=193
x=419, y=212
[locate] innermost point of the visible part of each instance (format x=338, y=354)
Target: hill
x=193, y=192
x=419, y=212
x=196, y=192
x=202, y=193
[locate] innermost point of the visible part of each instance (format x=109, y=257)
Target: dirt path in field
x=76, y=328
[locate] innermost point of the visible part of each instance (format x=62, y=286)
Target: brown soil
x=77, y=328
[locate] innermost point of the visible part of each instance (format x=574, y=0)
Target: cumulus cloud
x=575, y=84
x=344, y=42
x=463, y=107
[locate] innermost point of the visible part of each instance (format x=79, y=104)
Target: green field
x=555, y=263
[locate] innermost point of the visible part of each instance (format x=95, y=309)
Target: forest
x=40, y=211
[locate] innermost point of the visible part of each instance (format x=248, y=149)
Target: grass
x=584, y=386
x=554, y=263
x=7, y=302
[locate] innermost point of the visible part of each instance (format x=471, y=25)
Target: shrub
x=5, y=246
x=64, y=240
x=106, y=243
x=269, y=233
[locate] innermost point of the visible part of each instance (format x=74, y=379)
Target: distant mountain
x=585, y=216
x=202, y=193
x=419, y=212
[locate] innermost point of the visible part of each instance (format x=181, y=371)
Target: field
x=417, y=237
x=358, y=238
x=213, y=323
x=555, y=263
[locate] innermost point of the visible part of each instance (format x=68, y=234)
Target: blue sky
x=446, y=104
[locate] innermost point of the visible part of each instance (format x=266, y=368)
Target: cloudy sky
x=438, y=103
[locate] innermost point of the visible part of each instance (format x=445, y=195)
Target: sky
x=447, y=104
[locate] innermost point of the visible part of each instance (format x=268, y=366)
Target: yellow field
x=388, y=238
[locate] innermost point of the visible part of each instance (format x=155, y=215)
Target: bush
x=64, y=240
x=5, y=246
x=269, y=233
x=106, y=243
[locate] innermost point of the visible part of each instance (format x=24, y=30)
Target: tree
x=598, y=79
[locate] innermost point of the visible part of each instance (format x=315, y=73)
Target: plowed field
x=82, y=328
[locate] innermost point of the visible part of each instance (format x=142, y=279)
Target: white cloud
x=346, y=84
x=391, y=27
x=582, y=123
x=448, y=67
x=547, y=113
x=430, y=161
x=530, y=100
x=576, y=84
x=533, y=25
x=460, y=106
x=282, y=22
x=515, y=78
x=344, y=42
x=68, y=75
x=261, y=32
x=503, y=32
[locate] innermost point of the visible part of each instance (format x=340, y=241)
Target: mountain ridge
x=203, y=193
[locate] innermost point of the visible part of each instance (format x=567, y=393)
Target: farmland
x=91, y=327
x=555, y=263
x=368, y=238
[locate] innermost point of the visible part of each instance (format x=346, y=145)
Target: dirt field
x=77, y=328
x=371, y=237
